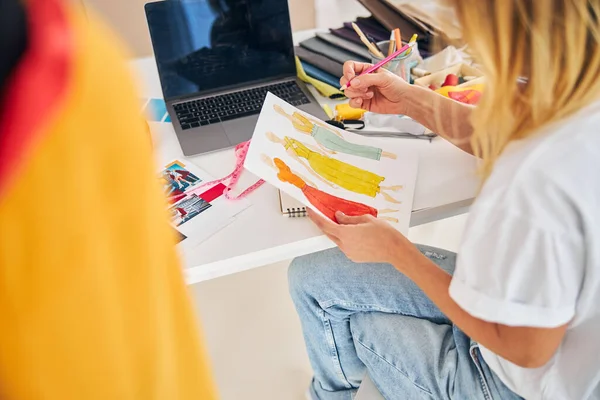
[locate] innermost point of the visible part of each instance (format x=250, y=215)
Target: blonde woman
x=516, y=313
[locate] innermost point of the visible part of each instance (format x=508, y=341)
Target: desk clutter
x=197, y=205
x=393, y=24
x=370, y=175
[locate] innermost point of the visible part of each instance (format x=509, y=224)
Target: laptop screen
x=203, y=45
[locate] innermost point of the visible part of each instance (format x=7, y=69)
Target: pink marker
x=381, y=63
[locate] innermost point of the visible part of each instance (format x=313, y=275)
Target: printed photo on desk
x=197, y=212
x=329, y=169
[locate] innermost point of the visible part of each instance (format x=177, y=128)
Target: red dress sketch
x=324, y=202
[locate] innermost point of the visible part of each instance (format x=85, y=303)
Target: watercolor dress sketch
x=336, y=172
x=343, y=171
x=326, y=203
x=331, y=140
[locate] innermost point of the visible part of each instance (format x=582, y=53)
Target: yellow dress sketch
x=331, y=140
x=336, y=172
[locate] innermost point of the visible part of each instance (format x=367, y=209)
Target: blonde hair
x=555, y=44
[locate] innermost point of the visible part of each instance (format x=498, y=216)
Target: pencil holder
x=397, y=65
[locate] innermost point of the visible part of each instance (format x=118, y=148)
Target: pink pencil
x=380, y=63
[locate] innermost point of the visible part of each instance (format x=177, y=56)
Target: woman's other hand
x=366, y=238
x=381, y=92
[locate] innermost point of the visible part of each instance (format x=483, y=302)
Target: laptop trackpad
x=241, y=129
x=203, y=140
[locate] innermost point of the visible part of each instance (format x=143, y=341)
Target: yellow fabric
x=92, y=300
x=323, y=88
x=338, y=172
x=447, y=89
x=344, y=112
x=302, y=123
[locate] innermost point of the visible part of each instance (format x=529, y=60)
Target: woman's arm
x=524, y=346
x=386, y=93
x=446, y=117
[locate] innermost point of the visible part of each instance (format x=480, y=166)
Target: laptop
x=216, y=60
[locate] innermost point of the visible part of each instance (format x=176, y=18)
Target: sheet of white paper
x=196, y=216
x=353, y=180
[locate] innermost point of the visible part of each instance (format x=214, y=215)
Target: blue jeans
x=360, y=318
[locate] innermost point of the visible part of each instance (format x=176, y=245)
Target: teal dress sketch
x=330, y=139
x=333, y=142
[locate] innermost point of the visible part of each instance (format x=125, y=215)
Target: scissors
x=357, y=126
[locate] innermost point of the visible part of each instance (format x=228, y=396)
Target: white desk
x=446, y=186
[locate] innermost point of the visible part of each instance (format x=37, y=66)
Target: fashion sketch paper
x=329, y=169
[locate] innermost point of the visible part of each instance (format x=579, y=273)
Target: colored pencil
x=413, y=39
x=392, y=45
x=378, y=51
x=372, y=48
x=381, y=63
x=398, y=36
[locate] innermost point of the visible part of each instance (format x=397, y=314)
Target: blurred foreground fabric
x=93, y=304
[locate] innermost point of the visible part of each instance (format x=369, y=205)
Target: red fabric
x=212, y=193
x=38, y=86
x=329, y=204
x=466, y=96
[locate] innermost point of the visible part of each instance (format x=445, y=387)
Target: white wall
x=333, y=13
x=127, y=18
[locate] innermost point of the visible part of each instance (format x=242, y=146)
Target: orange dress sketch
x=324, y=202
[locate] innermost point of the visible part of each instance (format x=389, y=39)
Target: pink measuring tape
x=241, y=150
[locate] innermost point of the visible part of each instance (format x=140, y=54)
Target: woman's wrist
x=404, y=255
x=414, y=103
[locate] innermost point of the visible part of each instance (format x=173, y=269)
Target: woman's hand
x=367, y=239
x=381, y=92
x=385, y=93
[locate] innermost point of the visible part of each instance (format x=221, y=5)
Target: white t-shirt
x=531, y=255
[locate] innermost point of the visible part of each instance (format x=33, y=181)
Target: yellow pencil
x=412, y=40
x=328, y=111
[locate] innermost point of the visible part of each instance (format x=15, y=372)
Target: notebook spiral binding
x=296, y=212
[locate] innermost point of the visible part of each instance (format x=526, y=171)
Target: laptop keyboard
x=212, y=110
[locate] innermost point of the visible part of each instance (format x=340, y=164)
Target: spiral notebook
x=291, y=207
